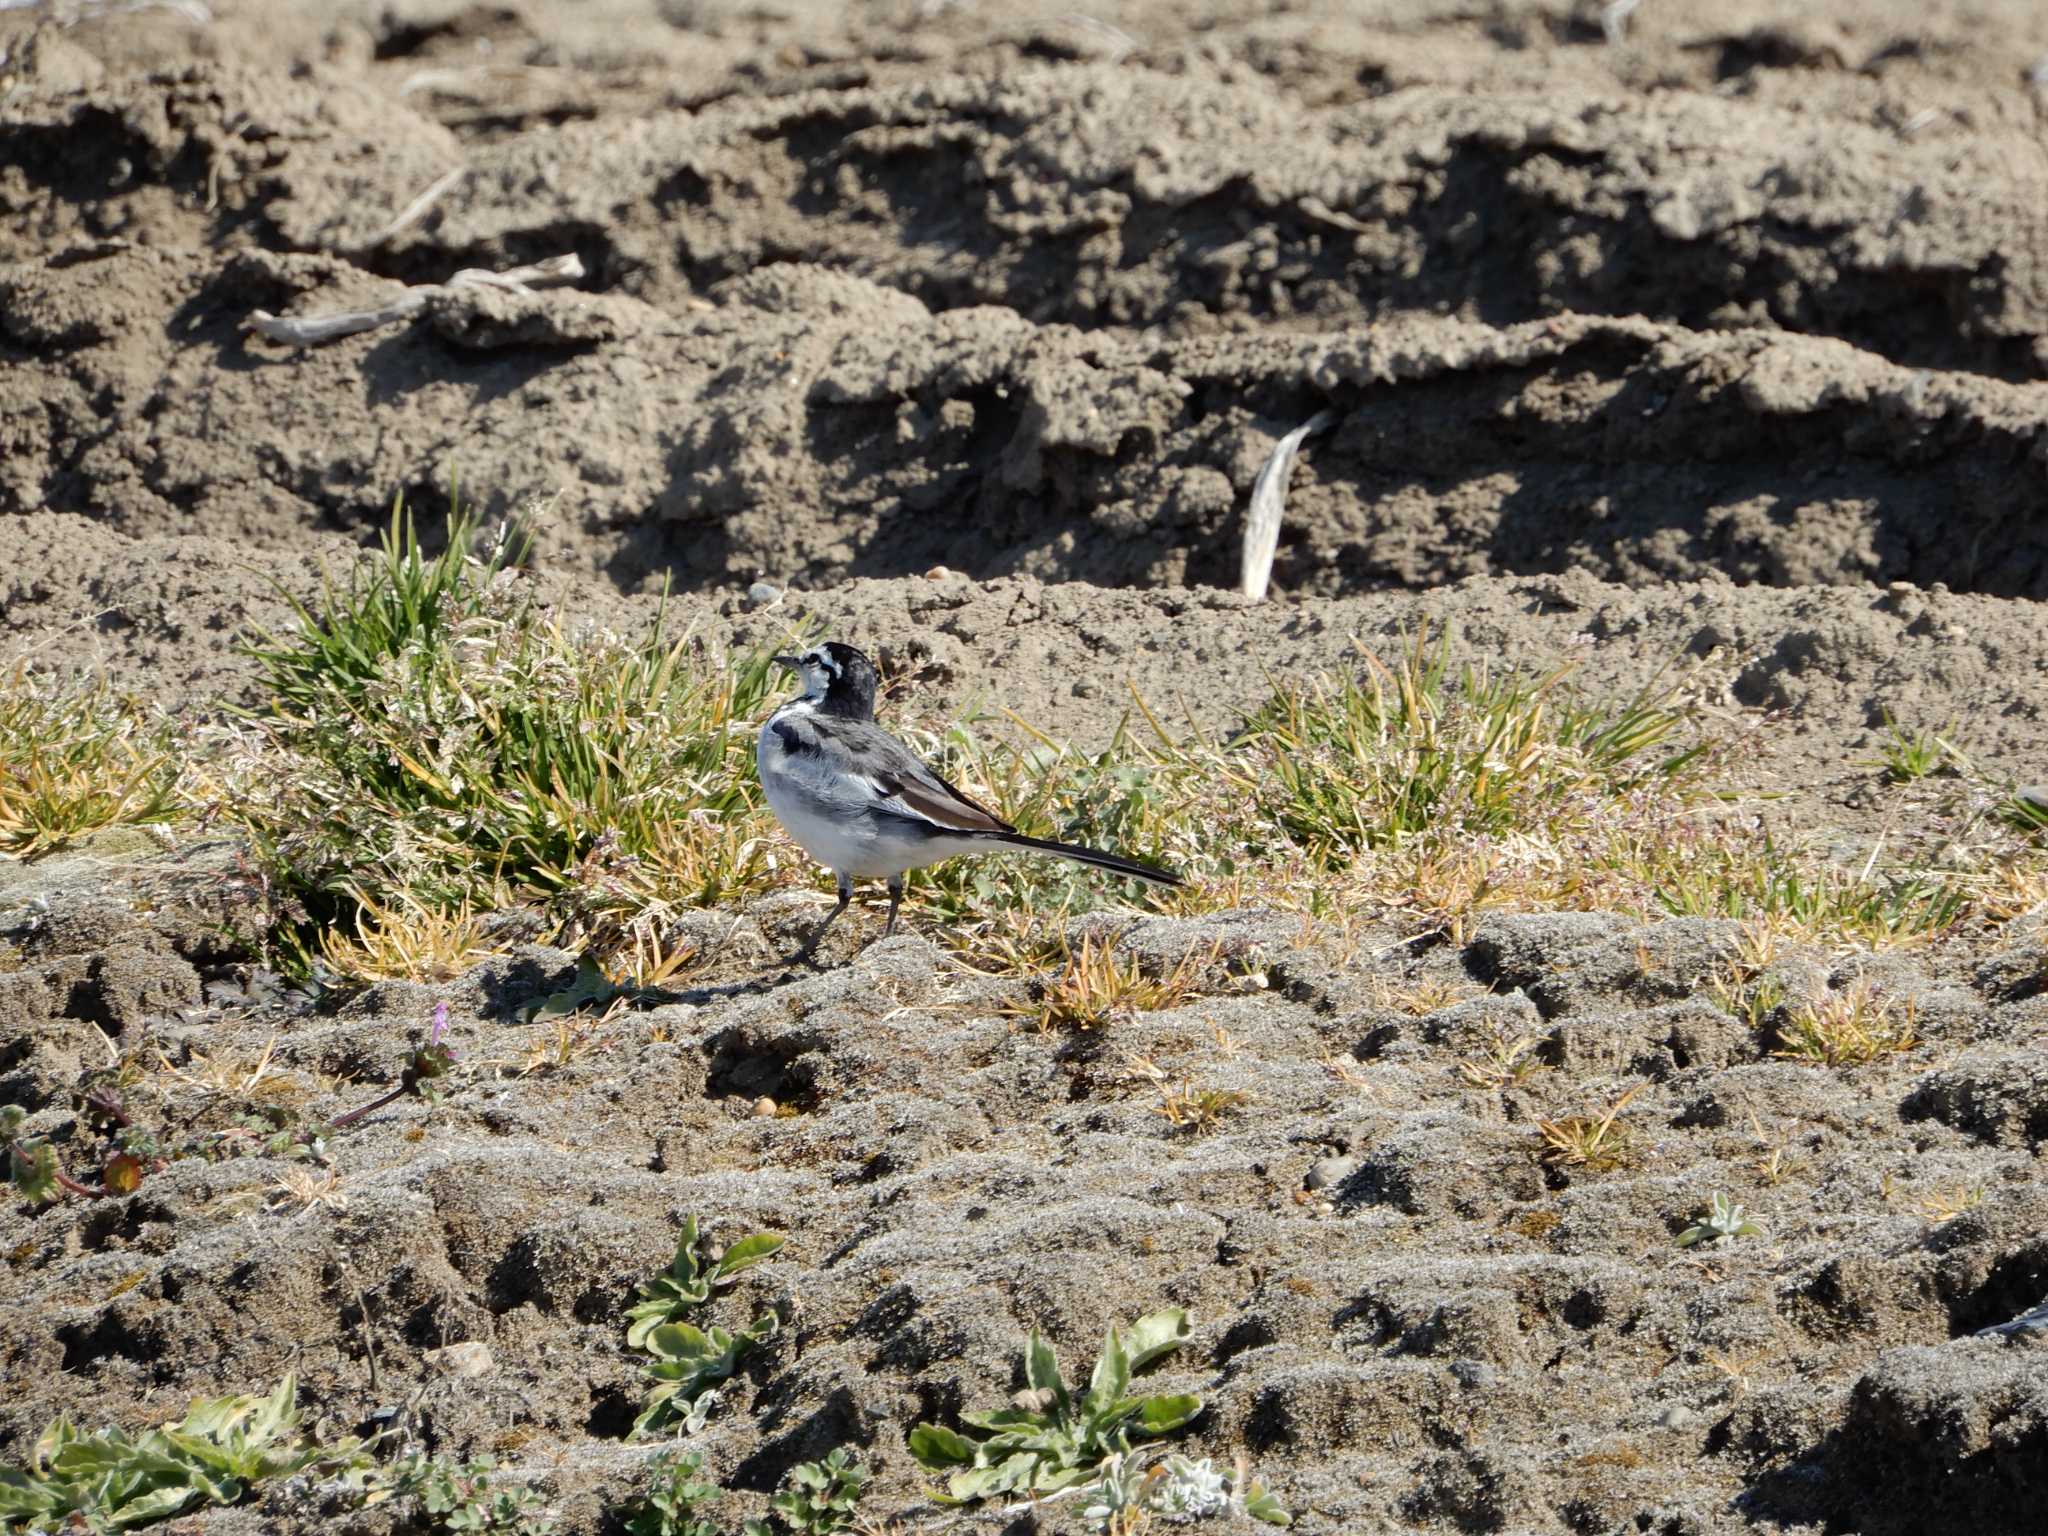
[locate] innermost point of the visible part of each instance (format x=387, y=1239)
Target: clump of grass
x=1505, y=1064
x=1907, y=755
x=1847, y=1027
x=437, y=742
x=1758, y=881
x=1187, y=1107
x=1416, y=752
x=76, y=757
x=1096, y=986
x=1597, y=1143
x=406, y=943
x=1949, y=1202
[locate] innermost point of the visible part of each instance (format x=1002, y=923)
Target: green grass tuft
x=436, y=741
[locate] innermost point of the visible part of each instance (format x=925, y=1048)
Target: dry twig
x=312, y=330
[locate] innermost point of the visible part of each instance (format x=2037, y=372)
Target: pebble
x=1330, y=1170
x=763, y=594
x=1677, y=1416
x=765, y=1109
x=464, y=1362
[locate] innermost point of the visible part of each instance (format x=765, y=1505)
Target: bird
x=863, y=804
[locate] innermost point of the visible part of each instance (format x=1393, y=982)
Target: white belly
x=835, y=829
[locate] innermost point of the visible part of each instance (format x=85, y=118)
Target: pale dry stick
x=1614, y=19
x=312, y=330
x=1269, y=500
x=420, y=206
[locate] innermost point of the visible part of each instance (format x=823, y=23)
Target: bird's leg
x=895, y=901
x=845, y=895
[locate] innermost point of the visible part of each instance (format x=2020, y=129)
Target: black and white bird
x=861, y=803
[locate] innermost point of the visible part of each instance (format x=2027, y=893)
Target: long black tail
x=1092, y=856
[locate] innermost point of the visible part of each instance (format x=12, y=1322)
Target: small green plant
x=1723, y=1219
x=106, y=1481
x=468, y=1496
x=690, y=1362
x=688, y=1281
x=669, y=1508
x=818, y=1497
x=1048, y=1439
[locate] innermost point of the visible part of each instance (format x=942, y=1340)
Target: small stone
x=937, y=573
x=1476, y=1374
x=763, y=594
x=1677, y=1416
x=1087, y=688
x=766, y=1108
x=1330, y=1170
x=465, y=1362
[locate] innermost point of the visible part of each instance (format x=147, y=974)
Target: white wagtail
x=859, y=802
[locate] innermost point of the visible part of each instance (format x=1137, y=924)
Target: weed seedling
x=688, y=1281
x=35, y=1173
x=1047, y=1439
x=670, y=1507
x=818, y=1497
x=1129, y=1494
x=1908, y=755
x=469, y=1496
x=1721, y=1220
x=690, y=1362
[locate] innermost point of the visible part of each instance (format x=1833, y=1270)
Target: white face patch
x=818, y=671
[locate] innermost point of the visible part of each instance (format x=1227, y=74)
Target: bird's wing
x=903, y=784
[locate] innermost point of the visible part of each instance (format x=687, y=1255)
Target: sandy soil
x=1718, y=346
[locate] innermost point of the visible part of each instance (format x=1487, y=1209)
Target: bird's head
x=836, y=678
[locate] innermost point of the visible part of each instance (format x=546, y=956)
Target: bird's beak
x=784, y=661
